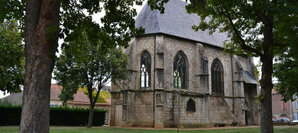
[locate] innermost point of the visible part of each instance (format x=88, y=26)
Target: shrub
x=10, y=115
x=59, y=116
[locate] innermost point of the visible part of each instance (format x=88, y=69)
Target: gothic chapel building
x=179, y=76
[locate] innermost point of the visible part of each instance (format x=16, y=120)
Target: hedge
x=59, y=116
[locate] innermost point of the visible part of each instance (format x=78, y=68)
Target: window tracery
x=179, y=72
x=217, y=77
x=145, y=69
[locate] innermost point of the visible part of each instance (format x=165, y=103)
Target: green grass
x=280, y=129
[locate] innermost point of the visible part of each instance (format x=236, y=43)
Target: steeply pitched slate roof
x=177, y=22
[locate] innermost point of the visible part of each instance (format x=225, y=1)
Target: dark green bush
x=59, y=116
x=10, y=115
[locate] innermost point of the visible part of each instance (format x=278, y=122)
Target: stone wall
x=158, y=105
x=192, y=119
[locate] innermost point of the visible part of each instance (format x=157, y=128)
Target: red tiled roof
x=55, y=91
x=78, y=97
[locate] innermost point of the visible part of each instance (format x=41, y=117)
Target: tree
x=12, y=58
x=42, y=28
x=286, y=71
x=67, y=94
x=255, y=28
x=286, y=66
x=87, y=64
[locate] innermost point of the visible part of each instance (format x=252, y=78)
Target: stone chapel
x=177, y=76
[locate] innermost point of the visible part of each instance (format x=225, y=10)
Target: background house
x=294, y=108
x=280, y=108
x=80, y=98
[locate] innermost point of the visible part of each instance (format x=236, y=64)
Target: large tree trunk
x=266, y=100
x=90, y=119
x=266, y=80
x=41, y=38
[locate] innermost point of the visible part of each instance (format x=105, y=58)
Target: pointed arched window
x=191, y=106
x=217, y=78
x=145, y=69
x=180, y=71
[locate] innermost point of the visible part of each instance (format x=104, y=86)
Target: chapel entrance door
x=118, y=115
x=250, y=93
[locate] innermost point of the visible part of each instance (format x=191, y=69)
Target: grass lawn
x=279, y=129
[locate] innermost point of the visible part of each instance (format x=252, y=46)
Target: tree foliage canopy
x=244, y=22
x=12, y=9
x=12, y=58
x=286, y=70
x=118, y=19
x=76, y=15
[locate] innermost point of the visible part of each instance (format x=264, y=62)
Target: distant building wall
x=294, y=107
x=280, y=108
